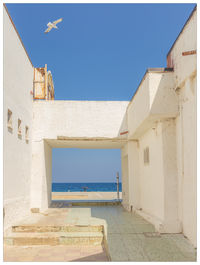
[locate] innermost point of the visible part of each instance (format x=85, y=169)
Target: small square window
x=146, y=155
x=9, y=119
x=19, y=127
x=26, y=133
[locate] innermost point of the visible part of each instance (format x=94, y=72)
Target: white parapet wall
x=155, y=99
x=17, y=84
x=78, y=119
x=182, y=55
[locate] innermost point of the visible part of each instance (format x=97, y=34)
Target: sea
x=76, y=187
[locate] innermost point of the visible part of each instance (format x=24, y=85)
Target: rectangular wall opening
x=19, y=126
x=9, y=120
x=85, y=174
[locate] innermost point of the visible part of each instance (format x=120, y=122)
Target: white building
x=156, y=132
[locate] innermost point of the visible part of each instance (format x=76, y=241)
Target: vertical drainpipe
x=118, y=186
x=45, y=82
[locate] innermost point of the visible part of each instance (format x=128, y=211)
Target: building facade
x=155, y=130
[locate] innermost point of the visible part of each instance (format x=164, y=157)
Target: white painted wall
x=74, y=120
x=77, y=118
x=134, y=174
x=162, y=115
x=17, y=83
x=138, y=109
x=154, y=100
x=155, y=104
x=153, y=186
x=151, y=175
x=130, y=175
x=41, y=177
x=163, y=99
x=125, y=180
x=185, y=68
x=187, y=160
x=171, y=219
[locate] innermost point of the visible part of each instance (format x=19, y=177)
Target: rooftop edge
x=17, y=32
x=190, y=16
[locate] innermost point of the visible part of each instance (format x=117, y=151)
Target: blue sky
x=99, y=52
x=85, y=165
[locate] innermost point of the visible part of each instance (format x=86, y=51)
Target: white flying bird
x=53, y=25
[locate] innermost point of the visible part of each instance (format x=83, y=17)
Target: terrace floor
x=129, y=237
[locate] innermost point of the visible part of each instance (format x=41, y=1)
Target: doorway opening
x=86, y=174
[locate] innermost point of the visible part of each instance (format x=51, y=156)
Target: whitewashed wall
x=162, y=116
x=155, y=99
x=78, y=118
x=130, y=175
x=153, y=186
x=17, y=84
x=151, y=175
x=154, y=105
x=74, y=120
x=125, y=177
x=187, y=160
x=41, y=175
x=185, y=68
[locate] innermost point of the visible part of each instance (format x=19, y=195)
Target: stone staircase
x=27, y=235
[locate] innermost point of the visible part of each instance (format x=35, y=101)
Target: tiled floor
x=129, y=237
x=54, y=253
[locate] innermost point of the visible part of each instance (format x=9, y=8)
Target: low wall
x=78, y=119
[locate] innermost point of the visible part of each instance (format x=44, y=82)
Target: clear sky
x=86, y=165
x=99, y=52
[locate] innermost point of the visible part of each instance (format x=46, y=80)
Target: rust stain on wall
x=189, y=52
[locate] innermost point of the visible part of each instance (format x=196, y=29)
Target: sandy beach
x=85, y=195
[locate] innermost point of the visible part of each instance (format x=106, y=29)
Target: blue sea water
x=76, y=187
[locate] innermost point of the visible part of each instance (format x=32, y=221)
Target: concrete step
x=53, y=238
x=102, y=203
x=64, y=203
x=56, y=228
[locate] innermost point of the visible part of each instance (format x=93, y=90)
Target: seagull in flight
x=52, y=25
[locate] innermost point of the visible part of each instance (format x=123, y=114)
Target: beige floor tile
x=53, y=253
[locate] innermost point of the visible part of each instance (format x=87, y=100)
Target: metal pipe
x=117, y=185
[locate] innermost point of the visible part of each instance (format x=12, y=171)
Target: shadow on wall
x=155, y=99
x=165, y=100
x=48, y=173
